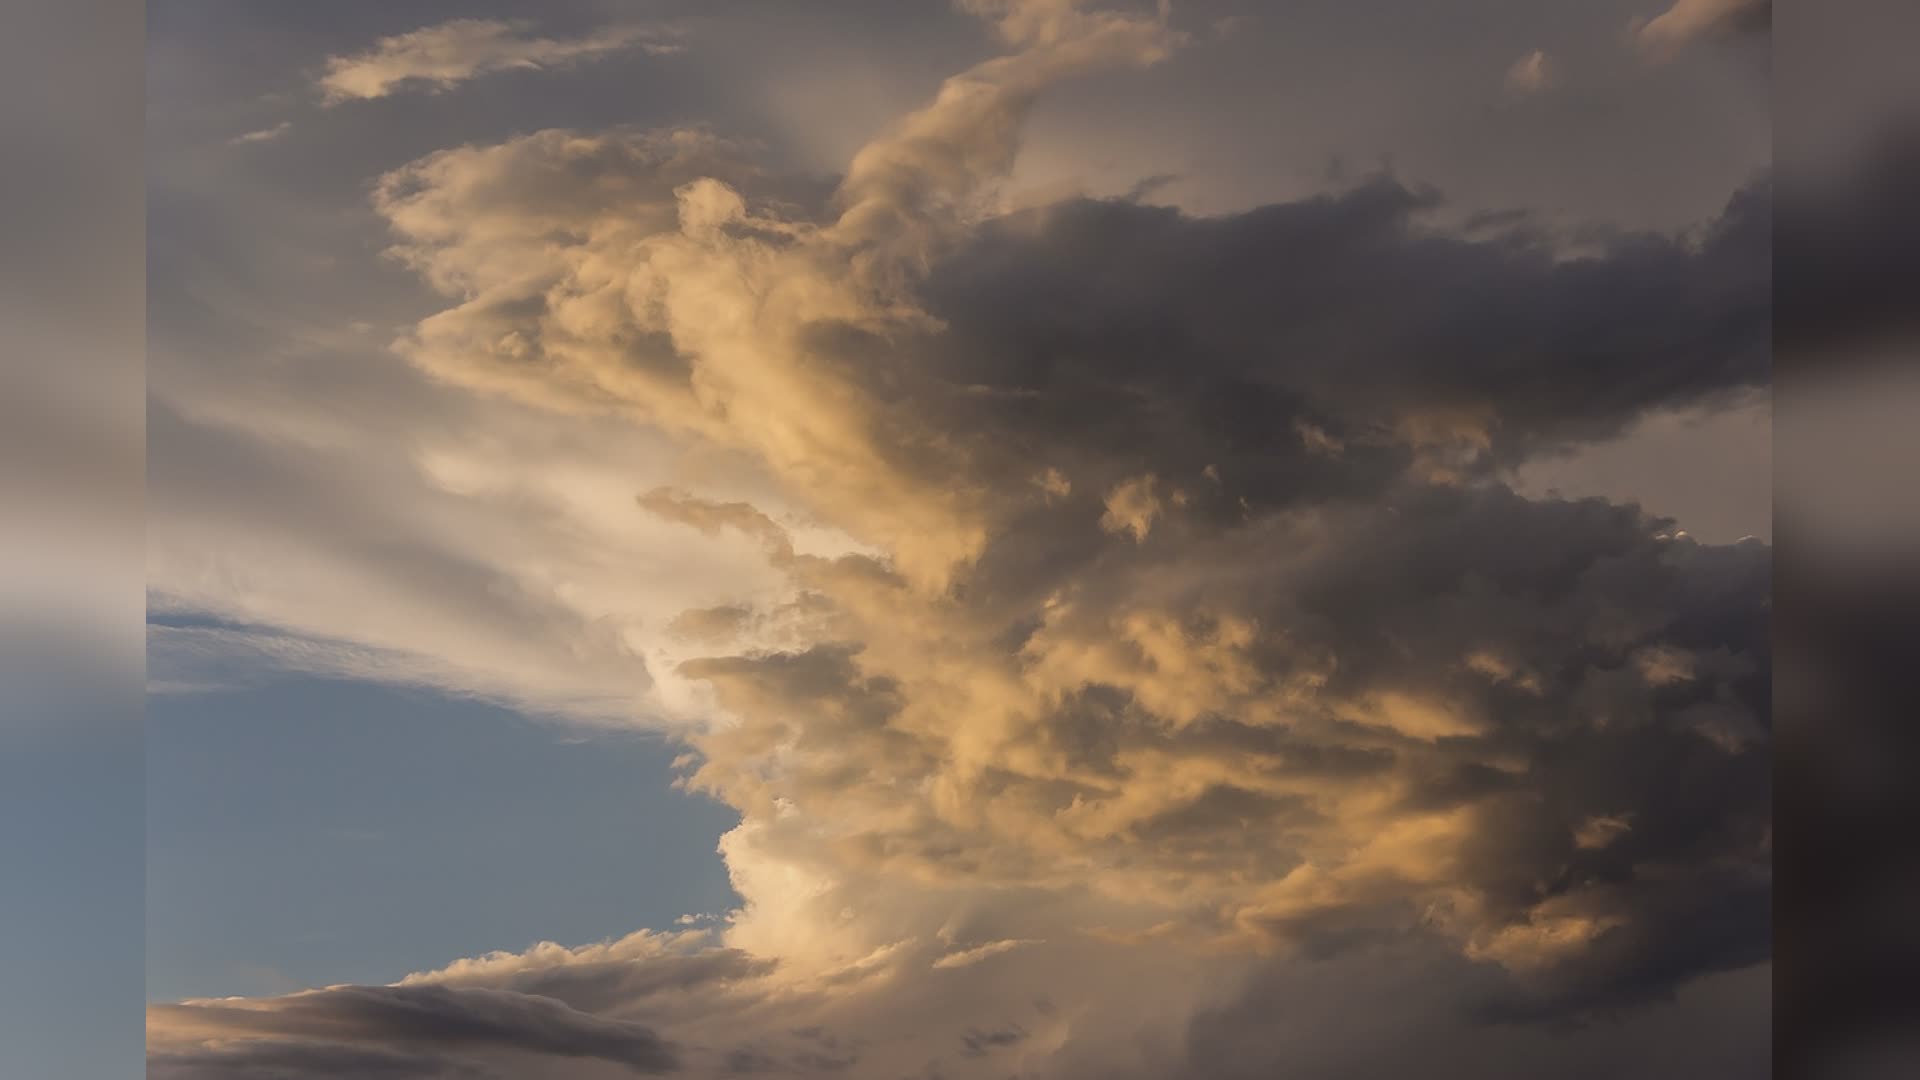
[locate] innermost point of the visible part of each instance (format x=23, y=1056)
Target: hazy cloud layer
x=1137, y=646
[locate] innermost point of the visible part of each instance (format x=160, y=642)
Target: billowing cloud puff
x=1042, y=337
x=440, y=57
x=1187, y=650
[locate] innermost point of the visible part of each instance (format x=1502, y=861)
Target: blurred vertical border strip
x=1847, y=589
x=72, y=463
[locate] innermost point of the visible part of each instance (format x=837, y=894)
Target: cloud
x=918, y=460
x=977, y=1043
x=438, y=58
x=1688, y=21
x=304, y=1033
x=1131, y=507
x=711, y=626
x=1601, y=830
x=970, y=1022
x=711, y=517
x=1530, y=74
x=264, y=134
x=974, y=955
x=692, y=249
x=392, y=575
x=296, y=1059
x=1180, y=638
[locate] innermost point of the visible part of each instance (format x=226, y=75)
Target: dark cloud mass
x=1100, y=322
x=1314, y=352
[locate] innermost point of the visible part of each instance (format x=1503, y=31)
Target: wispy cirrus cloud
x=438, y=58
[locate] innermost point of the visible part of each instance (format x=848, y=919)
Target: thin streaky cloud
x=969, y=957
x=438, y=58
x=267, y=134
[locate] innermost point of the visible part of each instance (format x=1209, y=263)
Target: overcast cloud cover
x=1126, y=619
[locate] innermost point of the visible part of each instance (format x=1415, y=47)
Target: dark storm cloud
x=1421, y=1019
x=1141, y=334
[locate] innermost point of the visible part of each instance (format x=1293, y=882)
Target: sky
x=304, y=832
x=1010, y=538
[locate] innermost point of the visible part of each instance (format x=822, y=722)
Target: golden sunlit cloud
x=1093, y=612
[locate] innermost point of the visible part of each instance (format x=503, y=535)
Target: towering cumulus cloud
x=1192, y=696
